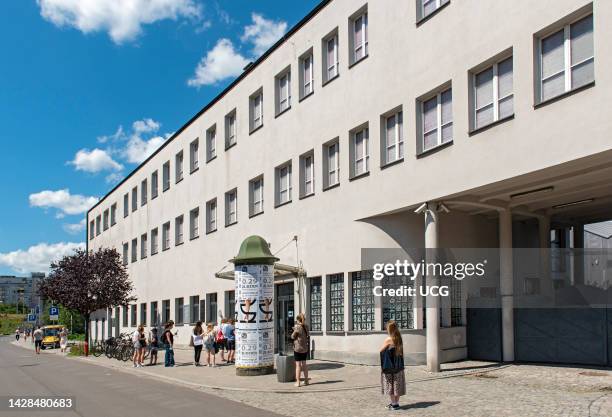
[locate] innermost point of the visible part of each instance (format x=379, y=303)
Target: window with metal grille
x=336, y=302
x=362, y=300
x=316, y=305
x=456, y=298
x=399, y=309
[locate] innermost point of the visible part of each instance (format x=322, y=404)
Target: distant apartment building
x=20, y=291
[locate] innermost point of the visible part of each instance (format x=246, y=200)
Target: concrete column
x=432, y=312
x=578, y=244
x=506, y=284
x=546, y=286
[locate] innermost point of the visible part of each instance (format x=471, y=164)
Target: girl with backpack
x=197, y=340
x=209, y=344
x=220, y=339
x=301, y=347
x=392, y=379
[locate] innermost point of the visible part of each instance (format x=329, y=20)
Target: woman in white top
x=63, y=339
x=197, y=341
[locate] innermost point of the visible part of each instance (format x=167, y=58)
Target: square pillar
x=506, y=284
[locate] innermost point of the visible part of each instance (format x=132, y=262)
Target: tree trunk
x=87, y=334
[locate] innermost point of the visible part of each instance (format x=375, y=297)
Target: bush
x=77, y=349
x=77, y=336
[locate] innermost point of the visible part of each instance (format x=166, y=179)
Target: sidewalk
x=324, y=376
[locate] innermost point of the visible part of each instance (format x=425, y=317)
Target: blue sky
x=89, y=88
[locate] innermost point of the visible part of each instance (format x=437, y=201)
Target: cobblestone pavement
x=474, y=389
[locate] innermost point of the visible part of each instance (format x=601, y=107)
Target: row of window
x=566, y=63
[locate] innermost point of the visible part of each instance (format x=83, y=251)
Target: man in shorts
x=38, y=338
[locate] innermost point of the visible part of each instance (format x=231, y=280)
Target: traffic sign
x=53, y=313
x=32, y=318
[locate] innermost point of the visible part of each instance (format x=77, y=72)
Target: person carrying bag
x=392, y=378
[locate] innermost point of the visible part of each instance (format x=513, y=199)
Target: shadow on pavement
x=422, y=404
x=467, y=368
x=324, y=366
x=336, y=381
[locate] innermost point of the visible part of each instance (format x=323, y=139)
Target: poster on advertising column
x=255, y=315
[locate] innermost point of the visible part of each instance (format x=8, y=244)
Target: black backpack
x=391, y=363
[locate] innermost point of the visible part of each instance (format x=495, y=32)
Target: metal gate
x=484, y=334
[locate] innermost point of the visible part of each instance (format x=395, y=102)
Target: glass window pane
x=483, y=84
x=447, y=108
x=553, y=86
x=583, y=73
x=430, y=139
x=430, y=118
x=484, y=116
x=506, y=107
x=504, y=77
x=552, y=54
x=581, y=38
x=447, y=133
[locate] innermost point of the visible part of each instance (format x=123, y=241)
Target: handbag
x=391, y=363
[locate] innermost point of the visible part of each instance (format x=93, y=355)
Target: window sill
x=179, y=180
x=280, y=113
x=335, y=333
x=359, y=61
x=330, y=80
x=165, y=249
x=153, y=253
x=194, y=237
x=490, y=125
x=302, y=197
x=141, y=205
x=230, y=224
x=211, y=159
x=255, y=129
x=143, y=258
x=166, y=189
x=208, y=232
x=329, y=187
x=255, y=214
x=390, y=164
x=282, y=204
x=194, y=170
x=564, y=95
x=178, y=244
x=434, y=150
x=316, y=333
x=154, y=197
x=306, y=96
x=362, y=175
x=228, y=147
x=358, y=332
x=432, y=14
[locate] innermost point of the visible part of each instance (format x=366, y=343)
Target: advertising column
x=254, y=280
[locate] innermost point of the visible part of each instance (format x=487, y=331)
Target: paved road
x=102, y=392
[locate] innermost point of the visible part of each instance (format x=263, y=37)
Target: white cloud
x=119, y=134
x=221, y=62
x=94, y=161
x=145, y=126
x=138, y=149
x=74, y=228
x=122, y=19
x=263, y=33
x=62, y=200
x=38, y=258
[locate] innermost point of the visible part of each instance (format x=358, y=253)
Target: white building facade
x=329, y=142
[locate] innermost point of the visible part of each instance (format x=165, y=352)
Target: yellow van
x=51, y=338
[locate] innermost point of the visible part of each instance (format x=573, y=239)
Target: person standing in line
x=142, y=340
x=230, y=340
x=168, y=340
x=136, y=344
x=301, y=347
x=209, y=344
x=17, y=334
x=220, y=339
x=26, y=335
x=37, y=337
x=197, y=340
x=392, y=378
x=63, y=339
x=154, y=344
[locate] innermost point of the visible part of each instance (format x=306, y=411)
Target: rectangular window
x=307, y=174
x=393, y=138
x=154, y=185
x=283, y=91
x=437, y=120
x=194, y=155
x=316, y=305
x=567, y=59
x=231, y=304
x=212, y=308
x=194, y=308
x=125, y=253
x=306, y=75
x=143, y=314
x=359, y=35
x=92, y=229
x=154, y=243
x=98, y=225
x=231, y=207
x=178, y=166
x=256, y=196
x=360, y=152
x=134, y=199
x=105, y=219
x=126, y=204
x=166, y=236
x=143, y=192
x=336, y=302
x=230, y=129
x=194, y=223
x=178, y=230
x=124, y=310
x=256, y=106
x=330, y=57
x=154, y=314
x=165, y=311
x=211, y=143
x=134, y=318
x=134, y=250
x=166, y=176
x=398, y=308
x=143, y=246
x=179, y=304
x=493, y=94
x=331, y=164
x=362, y=300
x=113, y=214
x=203, y=311
x=427, y=7
x=211, y=216
x=283, y=184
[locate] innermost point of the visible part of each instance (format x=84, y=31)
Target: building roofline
x=217, y=98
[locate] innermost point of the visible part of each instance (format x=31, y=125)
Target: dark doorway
x=285, y=314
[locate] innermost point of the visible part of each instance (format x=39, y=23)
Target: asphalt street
x=102, y=392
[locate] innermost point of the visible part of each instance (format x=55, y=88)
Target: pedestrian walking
x=301, y=348
x=140, y=343
x=27, y=334
x=154, y=345
x=63, y=339
x=37, y=336
x=209, y=344
x=220, y=339
x=229, y=331
x=197, y=341
x=168, y=341
x=17, y=335
x=392, y=378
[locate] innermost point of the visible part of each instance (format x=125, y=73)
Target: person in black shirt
x=168, y=340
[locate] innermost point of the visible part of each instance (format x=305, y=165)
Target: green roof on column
x=254, y=250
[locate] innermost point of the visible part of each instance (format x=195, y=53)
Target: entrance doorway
x=285, y=314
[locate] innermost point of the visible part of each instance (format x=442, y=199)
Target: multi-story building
x=331, y=140
x=20, y=291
